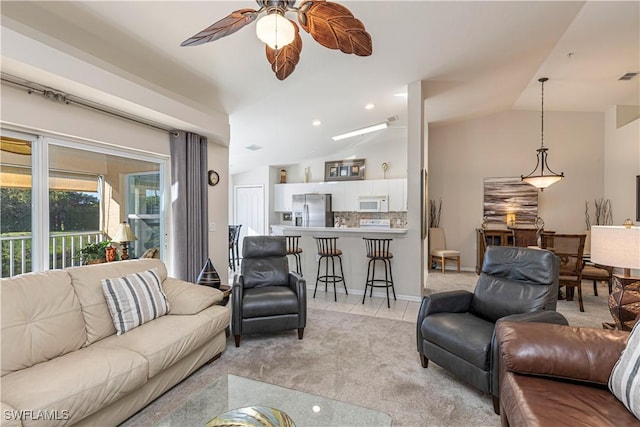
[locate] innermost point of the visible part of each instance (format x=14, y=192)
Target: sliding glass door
x=77, y=197
x=16, y=202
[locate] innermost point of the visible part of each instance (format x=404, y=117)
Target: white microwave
x=373, y=204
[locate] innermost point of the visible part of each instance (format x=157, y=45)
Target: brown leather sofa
x=555, y=375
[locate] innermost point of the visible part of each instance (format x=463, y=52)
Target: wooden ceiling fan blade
x=227, y=25
x=284, y=60
x=334, y=27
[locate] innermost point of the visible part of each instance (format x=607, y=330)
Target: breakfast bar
x=354, y=260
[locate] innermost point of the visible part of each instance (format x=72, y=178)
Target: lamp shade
x=542, y=181
x=275, y=30
x=124, y=234
x=616, y=246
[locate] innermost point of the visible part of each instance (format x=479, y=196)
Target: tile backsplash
x=352, y=219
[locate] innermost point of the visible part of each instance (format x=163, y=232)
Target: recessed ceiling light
x=400, y=94
x=316, y=123
x=369, y=106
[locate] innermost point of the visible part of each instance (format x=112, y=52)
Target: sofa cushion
x=189, y=298
x=135, y=299
x=540, y=402
x=269, y=301
x=86, y=282
x=169, y=338
x=76, y=384
x=41, y=319
x=445, y=330
x=624, y=382
x=495, y=297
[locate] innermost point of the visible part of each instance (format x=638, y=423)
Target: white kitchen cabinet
x=336, y=189
x=397, y=190
x=283, y=194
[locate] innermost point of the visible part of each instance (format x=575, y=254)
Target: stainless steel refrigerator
x=312, y=210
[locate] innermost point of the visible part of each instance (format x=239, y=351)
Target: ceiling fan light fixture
x=275, y=30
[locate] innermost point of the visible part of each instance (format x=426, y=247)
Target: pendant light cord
x=542, y=80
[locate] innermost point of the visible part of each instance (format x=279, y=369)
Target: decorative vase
x=110, y=253
x=624, y=301
x=209, y=276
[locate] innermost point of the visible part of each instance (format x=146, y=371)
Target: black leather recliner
x=266, y=296
x=456, y=329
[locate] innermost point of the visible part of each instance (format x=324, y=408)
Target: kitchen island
x=354, y=258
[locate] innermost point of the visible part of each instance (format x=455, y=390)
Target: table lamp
x=619, y=246
x=124, y=235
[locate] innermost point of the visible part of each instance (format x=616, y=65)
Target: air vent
x=392, y=118
x=628, y=76
x=253, y=147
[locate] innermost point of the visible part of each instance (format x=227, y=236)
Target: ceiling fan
x=330, y=24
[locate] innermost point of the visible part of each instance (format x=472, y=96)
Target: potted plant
x=94, y=253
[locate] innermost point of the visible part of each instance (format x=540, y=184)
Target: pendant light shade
x=275, y=30
x=542, y=176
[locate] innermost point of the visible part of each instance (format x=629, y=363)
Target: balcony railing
x=64, y=250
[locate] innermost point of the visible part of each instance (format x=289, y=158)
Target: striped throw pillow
x=135, y=299
x=624, y=381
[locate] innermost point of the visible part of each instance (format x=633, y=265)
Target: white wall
x=621, y=165
x=218, y=160
x=389, y=145
x=37, y=113
x=504, y=145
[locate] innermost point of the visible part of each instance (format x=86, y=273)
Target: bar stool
x=378, y=250
x=327, y=250
x=293, y=248
x=234, y=235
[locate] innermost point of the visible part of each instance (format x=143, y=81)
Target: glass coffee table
x=231, y=392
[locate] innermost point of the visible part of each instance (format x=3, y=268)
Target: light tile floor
x=375, y=307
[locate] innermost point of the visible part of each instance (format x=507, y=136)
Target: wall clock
x=214, y=178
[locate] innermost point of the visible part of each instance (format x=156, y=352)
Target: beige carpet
x=362, y=360
x=366, y=361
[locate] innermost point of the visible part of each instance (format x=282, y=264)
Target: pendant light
x=540, y=179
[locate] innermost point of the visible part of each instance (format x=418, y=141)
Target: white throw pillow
x=624, y=381
x=135, y=299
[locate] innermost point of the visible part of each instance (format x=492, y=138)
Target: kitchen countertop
x=278, y=229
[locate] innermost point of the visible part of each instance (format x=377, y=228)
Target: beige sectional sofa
x=62, y=359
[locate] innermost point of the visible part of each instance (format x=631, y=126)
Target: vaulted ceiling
x=476, y=57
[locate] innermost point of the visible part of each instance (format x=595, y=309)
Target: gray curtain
x=189, y=205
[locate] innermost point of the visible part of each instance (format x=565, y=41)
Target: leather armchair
x=266, y=296
x=456, y=329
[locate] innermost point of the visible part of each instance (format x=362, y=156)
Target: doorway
x=248, y=211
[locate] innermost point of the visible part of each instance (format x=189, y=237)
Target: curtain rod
x=61, y=97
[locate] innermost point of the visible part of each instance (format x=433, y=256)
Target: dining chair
x=524, y=237
x=595, y=272
x=570, y=249
x=438, y=249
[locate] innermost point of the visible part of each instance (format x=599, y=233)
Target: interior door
x=248, y=211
